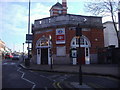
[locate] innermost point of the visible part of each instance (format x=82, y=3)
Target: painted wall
x=110, y=36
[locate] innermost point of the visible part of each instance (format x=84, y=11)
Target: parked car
x=8, y=56
x=15, y=57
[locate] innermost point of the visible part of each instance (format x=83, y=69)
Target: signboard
x=29, y=38
x=60, y=36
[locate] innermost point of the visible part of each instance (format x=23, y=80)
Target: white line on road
x=25, y=78
x=5, y=63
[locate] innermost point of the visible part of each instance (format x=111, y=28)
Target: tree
x=104, y=8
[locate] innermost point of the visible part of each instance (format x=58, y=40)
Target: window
x=61, y=51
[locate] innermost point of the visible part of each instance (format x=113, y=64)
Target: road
x=13, y=76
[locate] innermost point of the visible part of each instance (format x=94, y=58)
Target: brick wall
x=94, y=35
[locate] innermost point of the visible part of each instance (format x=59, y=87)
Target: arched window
x=43, y=42
x=84, y=42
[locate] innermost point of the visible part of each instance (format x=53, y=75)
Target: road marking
x=46, y=77
x=8, y=63
x=5, y=63
x=22, y=77
x=58, y=84
x=54, y=85
x=12, y=63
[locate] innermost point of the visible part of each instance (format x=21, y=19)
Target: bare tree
x=104, y=8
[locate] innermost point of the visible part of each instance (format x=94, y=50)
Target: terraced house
x=54, y=37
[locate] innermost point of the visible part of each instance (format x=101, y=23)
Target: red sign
x=60, y=37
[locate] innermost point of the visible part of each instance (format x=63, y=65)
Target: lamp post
x=79, y=53
x=51, y=66
x=23, y=51
x=28, y=60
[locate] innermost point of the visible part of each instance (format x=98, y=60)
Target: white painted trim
x=39, y=57
x=87, y=58
x=49, y=62
x=74, y=61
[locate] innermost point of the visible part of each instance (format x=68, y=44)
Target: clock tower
x=59, y=9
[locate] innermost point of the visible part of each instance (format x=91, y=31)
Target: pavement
x=109, y=70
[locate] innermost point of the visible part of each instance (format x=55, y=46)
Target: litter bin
x=27, y=62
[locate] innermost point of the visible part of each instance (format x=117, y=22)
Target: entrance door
x=44, y=55
x=82, y=57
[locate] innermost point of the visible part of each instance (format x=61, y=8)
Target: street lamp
x=51, y=66
x=23, y=51
x=79, y=53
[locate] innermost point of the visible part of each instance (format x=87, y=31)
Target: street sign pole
x=78, y=35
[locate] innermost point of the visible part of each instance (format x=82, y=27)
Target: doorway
x=44, y=55
x=82, y=57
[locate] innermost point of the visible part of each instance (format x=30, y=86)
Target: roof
x=70, y=15
x=57, y=5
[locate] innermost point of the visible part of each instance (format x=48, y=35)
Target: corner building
x=54, y=37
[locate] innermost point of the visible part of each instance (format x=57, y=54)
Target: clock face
x=59, y=11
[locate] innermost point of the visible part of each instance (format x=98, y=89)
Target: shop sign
x=60, y=36
x=29, y=38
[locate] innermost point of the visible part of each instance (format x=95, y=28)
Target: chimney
x=64, y=4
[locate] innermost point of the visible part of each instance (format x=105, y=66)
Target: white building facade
x=110, y=35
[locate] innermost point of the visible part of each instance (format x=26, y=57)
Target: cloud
x=14, y=21
x=39, y=11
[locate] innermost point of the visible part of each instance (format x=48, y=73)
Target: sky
x=14, y=18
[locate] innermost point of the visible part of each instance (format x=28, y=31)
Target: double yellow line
x=57, y=85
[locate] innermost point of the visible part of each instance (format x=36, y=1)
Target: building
x=110, y=35
x=54, y=37
x=2, y=48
